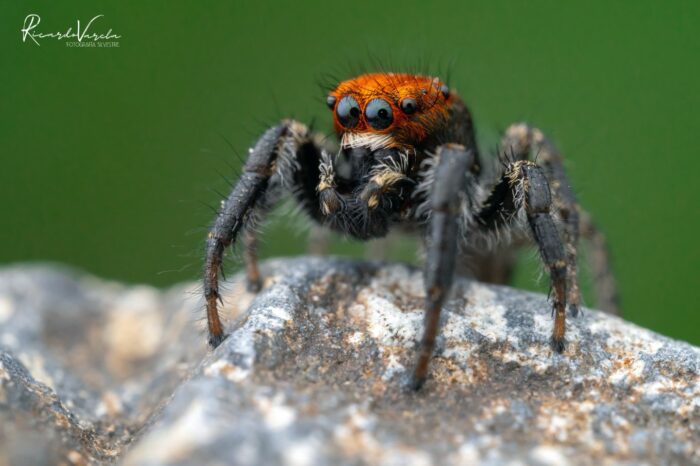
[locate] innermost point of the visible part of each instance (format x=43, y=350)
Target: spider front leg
x=274, y=160
x=523, y=191
x=450, y=175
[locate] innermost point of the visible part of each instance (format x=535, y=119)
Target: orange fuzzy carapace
x=411, y=124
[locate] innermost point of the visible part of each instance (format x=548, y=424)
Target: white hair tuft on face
x=370, y=140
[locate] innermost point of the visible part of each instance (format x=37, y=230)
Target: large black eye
x=378, y=113
x=348, y=112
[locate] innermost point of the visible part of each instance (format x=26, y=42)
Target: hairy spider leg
x=271, y=162
x=523, y=190
x=523, y=142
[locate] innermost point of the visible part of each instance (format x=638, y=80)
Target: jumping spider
x=408, y=157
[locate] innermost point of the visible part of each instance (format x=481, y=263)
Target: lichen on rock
x=315, y=372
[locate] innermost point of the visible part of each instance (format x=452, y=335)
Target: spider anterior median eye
x=409, y=106
x=348, y=112
x=379, y=114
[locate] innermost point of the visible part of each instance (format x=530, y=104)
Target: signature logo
x=85, y=35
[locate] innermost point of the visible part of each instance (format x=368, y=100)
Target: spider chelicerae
x=407, y=157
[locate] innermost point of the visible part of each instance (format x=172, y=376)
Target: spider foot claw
x=416, y=383
x=558, y=344
x=215, y=340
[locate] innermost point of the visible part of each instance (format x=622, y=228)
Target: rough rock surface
x=315, y=371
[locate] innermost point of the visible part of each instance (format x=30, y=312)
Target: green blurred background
x=111, y=156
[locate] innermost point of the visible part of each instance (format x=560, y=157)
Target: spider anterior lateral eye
x=379, y=114
x=330, y=101
x=409, y=106
x=348, y=112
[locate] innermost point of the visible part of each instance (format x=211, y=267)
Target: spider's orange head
x=390, y=110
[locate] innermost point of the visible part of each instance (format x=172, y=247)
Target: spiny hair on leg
x=286, y=163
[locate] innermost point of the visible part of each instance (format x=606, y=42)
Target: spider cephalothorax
x=407, y=156
x=391, y=110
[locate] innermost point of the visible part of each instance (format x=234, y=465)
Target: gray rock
x=315, y=372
